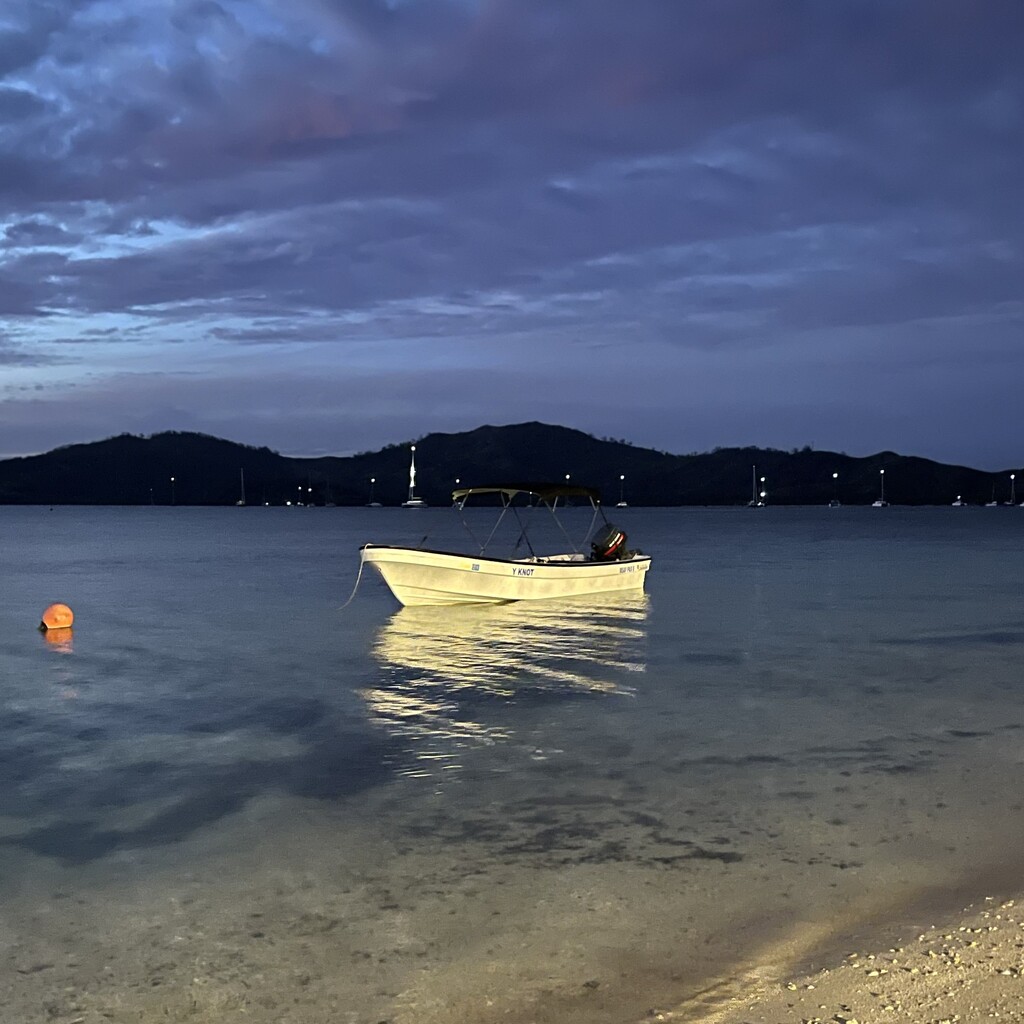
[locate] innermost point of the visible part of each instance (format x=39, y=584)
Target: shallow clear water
x=227, y=797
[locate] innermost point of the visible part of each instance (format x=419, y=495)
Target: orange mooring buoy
x=57, y=616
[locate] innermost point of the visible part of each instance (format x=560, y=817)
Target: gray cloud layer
x=689, y=223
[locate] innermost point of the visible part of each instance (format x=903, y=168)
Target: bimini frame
x=546, y=494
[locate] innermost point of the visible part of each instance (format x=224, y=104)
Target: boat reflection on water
x=448, y=673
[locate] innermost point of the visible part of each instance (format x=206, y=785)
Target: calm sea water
x=226, y=797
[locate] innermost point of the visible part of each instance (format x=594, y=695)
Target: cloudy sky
x=329, y=225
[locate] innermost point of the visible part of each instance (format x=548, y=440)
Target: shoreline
x=968, y=968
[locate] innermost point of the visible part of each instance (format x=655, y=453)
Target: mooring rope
x=359, y=576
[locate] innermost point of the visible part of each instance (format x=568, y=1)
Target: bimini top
x=546, y=492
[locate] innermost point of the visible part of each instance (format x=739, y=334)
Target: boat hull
x=418, y=577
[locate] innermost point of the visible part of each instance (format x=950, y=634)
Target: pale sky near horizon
x=329, y=225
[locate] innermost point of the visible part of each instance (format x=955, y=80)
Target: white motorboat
x=421, y=576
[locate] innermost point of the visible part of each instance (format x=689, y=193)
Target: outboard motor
x=609, y=544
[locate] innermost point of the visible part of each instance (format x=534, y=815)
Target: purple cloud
x=375, y=188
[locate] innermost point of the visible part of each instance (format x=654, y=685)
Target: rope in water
x=359, y=576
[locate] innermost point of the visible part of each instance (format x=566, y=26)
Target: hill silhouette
x=135, y=470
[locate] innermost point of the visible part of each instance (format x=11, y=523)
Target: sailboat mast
x=412, y=474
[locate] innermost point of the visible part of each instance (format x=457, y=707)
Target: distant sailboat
x=756, y=497
x=372, y=503
x=241, y=500
x=959, y=503
x=413, y=501
x=993, y=503
x=621, y=503
x=881, y=503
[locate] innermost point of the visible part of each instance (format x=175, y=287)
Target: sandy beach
x=966, y=970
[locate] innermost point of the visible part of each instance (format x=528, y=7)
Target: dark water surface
x=225, y=797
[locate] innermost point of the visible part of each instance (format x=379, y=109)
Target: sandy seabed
x=964, y=970
x=706, y=891
x=303, y=927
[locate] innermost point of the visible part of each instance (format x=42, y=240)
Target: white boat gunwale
x=572, y=560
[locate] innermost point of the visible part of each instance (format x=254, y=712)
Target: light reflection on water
x=445, y=670
x=59, y=640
